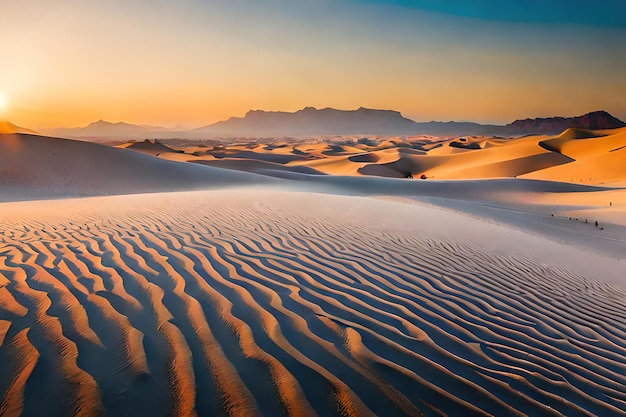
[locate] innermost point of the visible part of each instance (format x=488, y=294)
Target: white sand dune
x=34, y=167
x=259, y=302
x=535, y=206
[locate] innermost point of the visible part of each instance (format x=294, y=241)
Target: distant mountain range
x=310, y=122
x=108, y=130
x=313, y=122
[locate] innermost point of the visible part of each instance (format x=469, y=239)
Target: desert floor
x=282, y=291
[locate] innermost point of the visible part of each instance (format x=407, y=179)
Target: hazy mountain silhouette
x=310, y=122
x=104, y=129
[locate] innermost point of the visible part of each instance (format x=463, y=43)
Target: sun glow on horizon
x=3, y=101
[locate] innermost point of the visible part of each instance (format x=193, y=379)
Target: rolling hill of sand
x=34, y=167
x=258, y=302
x=598, y=157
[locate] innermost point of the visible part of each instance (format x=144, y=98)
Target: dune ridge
x=211, y=303
x=39, y=167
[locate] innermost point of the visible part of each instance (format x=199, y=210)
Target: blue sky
x=581, y=12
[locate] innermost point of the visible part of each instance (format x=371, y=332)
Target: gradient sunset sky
x=165, y=62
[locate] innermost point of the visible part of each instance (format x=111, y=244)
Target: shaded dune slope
x=256, y=166
x=454, y=189
x=151, y=147
x=37, y=166
x=213, y=304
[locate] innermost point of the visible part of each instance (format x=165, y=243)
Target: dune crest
x=36, y=167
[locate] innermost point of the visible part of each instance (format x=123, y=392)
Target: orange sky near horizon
x=192, y=63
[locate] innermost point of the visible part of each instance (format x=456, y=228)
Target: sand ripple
x=217, y=304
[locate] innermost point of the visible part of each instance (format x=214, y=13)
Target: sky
x=194, y=62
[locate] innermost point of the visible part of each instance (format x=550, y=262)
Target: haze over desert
x=347, y=208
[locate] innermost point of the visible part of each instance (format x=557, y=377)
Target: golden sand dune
x=599, y=157
x=510, y=159
x=579, y=144
x=231, y=303
x=10, y=128
x=576, y=155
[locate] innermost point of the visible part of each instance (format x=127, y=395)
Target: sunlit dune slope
x=580, y=144
x=486, y=160
x=600, y=158
x=9, y=128
x=225, y=303
x=577, y=155
x=349, y=163
x=37, y=166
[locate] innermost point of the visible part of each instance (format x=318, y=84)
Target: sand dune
x=576, y=155
x=599, y=158
x=39, y=167
x=510, y=159
x=153, y=147
x=7, y=128
x=257, y=166
x=223, y=302
x=35, y=167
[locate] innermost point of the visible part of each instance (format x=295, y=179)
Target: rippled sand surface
x=254, y=303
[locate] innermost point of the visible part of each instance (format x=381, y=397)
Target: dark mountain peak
x=367, y=111
x=599, y=113
x=550, y=125
x=598, y=120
